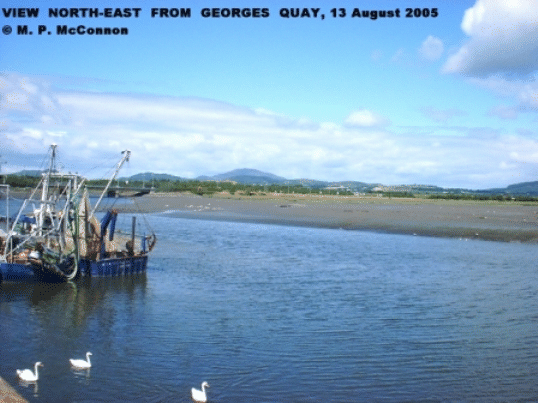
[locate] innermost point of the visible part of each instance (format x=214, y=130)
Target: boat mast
x=126, y=155
x=44, y=192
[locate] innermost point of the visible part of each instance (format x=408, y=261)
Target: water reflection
x=71, y=303
x=38, y=292
x=27, y=384
x=82, y=375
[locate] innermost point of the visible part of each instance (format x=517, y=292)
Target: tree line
x=212, y=187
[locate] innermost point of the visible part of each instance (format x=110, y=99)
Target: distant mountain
x=148, y=176
x=517, y=189
x=28, y=172
x=523, y=188
x=246, y=176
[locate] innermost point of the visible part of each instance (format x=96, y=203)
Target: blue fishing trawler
x=62, y=239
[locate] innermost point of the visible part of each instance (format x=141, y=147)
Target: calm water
x=284, y=314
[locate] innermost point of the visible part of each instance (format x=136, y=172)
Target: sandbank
x=486, y=220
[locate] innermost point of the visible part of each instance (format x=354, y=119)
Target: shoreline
x=485, y=220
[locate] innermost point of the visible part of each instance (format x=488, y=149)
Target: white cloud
x=524, y=93
x=193, y=136
x=501, y=53
x=432, y=48
x=365, y=118
x=503, y=39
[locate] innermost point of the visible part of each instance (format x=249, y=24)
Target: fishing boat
x=56, y=235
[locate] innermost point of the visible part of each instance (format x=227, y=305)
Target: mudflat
x=486, y=220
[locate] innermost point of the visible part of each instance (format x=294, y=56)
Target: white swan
x=199, y=395
x=82, y=363
x=27, y=375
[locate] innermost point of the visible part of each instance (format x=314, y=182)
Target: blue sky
x=449, y=101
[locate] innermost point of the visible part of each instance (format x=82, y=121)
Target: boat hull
x=111, y=267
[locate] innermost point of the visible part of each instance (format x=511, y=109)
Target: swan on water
x=27, y=374
x=82, y=363
x=199, y=395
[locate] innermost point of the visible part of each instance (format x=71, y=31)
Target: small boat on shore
x=56, y=235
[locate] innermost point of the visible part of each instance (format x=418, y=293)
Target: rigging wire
x=143, y=216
